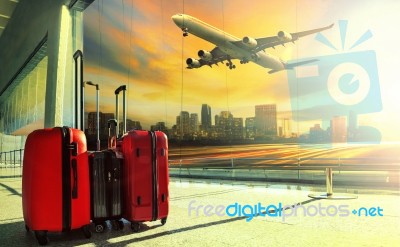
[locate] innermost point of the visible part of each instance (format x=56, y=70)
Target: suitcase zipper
x=154, y=173
x=66, y=179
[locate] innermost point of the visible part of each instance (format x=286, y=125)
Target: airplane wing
x=218, y=56
x=280, y=39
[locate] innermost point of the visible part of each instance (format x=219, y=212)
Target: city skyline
x=263, y=124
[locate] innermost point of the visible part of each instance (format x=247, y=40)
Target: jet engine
x=207, y=56
x=284, y=36
x=193, y=63
x=249, y=42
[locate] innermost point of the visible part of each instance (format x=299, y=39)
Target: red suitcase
x=145, y=173
x=55, y=182
x=145, y=177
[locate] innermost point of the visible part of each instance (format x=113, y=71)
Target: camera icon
x=335, y=85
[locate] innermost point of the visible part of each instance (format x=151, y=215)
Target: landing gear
x=244, y=61
x=185, y=31
x=230, y=65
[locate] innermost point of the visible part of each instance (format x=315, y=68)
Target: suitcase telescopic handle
x=117, y=91
x=111, y=122
x=79, y=107
x=121, y=88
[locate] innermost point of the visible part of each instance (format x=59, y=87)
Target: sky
x=136, y=43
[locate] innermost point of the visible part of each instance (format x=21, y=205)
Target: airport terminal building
x=37, y=40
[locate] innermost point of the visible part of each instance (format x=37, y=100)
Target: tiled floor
x=317, y=223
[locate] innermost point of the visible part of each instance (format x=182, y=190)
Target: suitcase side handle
x=112, y=138
x=74, y=147
x=75, y=175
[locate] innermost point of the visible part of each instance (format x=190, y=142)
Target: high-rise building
x=317, y=134
x=159, y=126
x=103, y=123
x=133, y=125
x=250, y=127
x=224, y=124
x=286, y=128
x=352, y=120
x=205, y=117
x=265, y=120
x=352, y=127
x=130, y=125
x=216, y=120
x=237, y=129
x=338, y=129
x=183, y=123
x=194, y=122
x=92, y=123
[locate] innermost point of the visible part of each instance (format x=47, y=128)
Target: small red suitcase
x=145, y=177
x=55, y=182
x=145, y=173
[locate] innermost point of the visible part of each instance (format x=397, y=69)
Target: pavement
x=199, y=217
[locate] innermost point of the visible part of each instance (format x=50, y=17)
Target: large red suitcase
x=145, y=176
x=55, y=182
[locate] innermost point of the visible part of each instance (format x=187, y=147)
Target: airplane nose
x=177, y=19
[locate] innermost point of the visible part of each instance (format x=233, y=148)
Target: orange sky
x=136, y=43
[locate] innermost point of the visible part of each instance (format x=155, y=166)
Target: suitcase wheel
x=117, y=225
x=163, y=221
x=121, y=224
x=41, y=237
x=135, y=226
x=86, y=231
x=27, y=228
x=100, y=227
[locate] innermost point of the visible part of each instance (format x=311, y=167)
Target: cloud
x=137, y=43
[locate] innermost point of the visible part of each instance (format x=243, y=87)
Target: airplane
x=229, y=47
